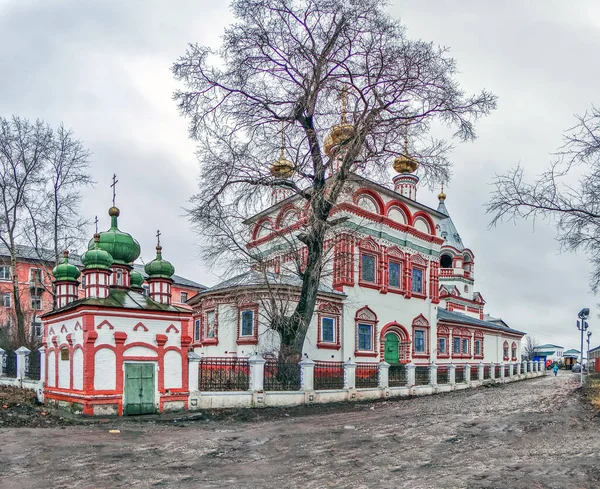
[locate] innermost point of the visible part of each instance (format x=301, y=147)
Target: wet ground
x=535, y=434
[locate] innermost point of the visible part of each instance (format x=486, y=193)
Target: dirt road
x=532, y=434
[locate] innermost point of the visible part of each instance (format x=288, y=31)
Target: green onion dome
x=136, y=280
x=95, y=257
x=159, y=268
x=64, y=271
x=121, y=246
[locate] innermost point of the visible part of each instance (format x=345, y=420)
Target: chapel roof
x=457, y=317
x=571, y=352
x=122, y=299
x=547, y=346
x=448, y=229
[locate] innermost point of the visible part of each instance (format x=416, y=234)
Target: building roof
x=548, y=346
x=25, y=252
x=594, y=349
x=457, y=317
x=255, y=278
x=448, y=229
x=571, y=352
x=123, y=299
x=544, y=353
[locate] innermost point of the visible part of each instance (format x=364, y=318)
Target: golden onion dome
x=282, y=168
x=405, y=164
x=339, y=134
x=442, y=195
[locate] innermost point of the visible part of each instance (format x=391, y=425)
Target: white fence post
x=433, y=374
x=22, y=352
x=467, y=373
x=452, y=374
x=492, y=371
x=1, y=360
x=384, y=374
x=502, y=371
x=257, y=373
x=517, y=369
x=193, y=367
x=524, y=367
x=542, y=367
x=349, y=375
x=511, y=369
x=480, y=372
x=307, y=375
x=530, y=369
x=42, y=350
x=410, y=374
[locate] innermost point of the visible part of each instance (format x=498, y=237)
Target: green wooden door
x=139, y=388
x=391, y=348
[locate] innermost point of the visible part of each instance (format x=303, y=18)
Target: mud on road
x=536, y=434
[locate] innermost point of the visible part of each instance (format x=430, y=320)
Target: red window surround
x=462, y=334
x=343, y=263
x=365, y=316
x=505, y=351
x=206, y=341
x=444, y=332
x=247, y=340
x=514, y=351
x=331, y=311
x=418, y=262
x=421, y=323
x=478, y=336
x=368, y=246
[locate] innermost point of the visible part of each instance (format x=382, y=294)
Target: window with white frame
x=35, y=275
x=365, y=337
x=210, y=324
x=4, y=272
x=247, y=323
x=328, y=330
x=119, y=277
x=419, y=340
x=183, y=297
x=36, y=302
x=6, y=299
x=37, y=327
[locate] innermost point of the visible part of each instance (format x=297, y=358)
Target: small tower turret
x=65, y=282
x=159, y=273
x=97, y=263
x=405, y=183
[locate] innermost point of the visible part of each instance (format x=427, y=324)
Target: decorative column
x=257, y=373
x=384, y=374
x=307, y=375
x=492, y=371
x=502, y=371
x=480, y=372
x=1, y=361
x=517, y=369
x=433, y=374
x=524, y=367
x=510, y=370
x=349, y=375
x=530, y=369
x=22, y=354
x=193, y=368
x=452, y=374
x=467, y=374
x=410, y=374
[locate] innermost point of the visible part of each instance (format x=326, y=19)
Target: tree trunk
x=21, y=336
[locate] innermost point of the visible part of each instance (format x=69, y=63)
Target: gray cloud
x=102, y=68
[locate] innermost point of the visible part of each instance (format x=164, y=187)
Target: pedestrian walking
x=555, y=369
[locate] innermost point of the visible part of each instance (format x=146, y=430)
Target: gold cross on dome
x=114, y=187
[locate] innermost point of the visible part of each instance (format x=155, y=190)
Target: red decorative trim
x=172, y=329
x=365, y=315
x=105, y=322
x=403, y=341
x=402, y=207
x=63, y=329
x=372, y=194
x=140, y=325
x=204, y=327
x=421, y=323
x=368, y=246
x=425, y=217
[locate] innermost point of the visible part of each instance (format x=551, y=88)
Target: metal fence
x=397, y=376
x=486, y=372
x=32, y=365
x=223, y=374
x=443, y=375
x=282, y=376
x=506, y=370
x=367, y=375
x=474, y=372
x=459, y=374
x=9, y=364
x=497, y=371
x=421, y=375
x=329, y=375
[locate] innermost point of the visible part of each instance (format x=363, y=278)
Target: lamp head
x=589, y=333
x=584, y=313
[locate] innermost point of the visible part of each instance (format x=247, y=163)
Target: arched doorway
x=391, y=348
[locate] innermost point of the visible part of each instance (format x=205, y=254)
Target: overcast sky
x=103, y=69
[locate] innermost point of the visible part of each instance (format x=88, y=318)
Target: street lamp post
x=582, y=325
x=589, y=334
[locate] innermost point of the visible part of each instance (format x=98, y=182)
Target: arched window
x=365, y=324
x=443, y=349
x=505, y=351
x=514, y=351
x=420, y=328
x=478, y=350
x=369, y=263
x=395, y=269
x=446, y=261
x=119, y=277
x=328, y=327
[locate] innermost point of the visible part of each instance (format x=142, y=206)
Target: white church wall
x=172, y=370
x=105, y=369
x=52, y=369
x=64, y=372
x=78, y=369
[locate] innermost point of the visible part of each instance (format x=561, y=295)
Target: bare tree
x=567, y=192
x=40, y=172
x=531, y=343
x=290, y=61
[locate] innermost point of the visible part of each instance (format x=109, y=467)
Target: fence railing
x=223, y=374
x=496, y=371
x=33, y=365
x=329, y=375
x=397, y=376
x=281, y=376
x=459, y=374
x=9, y=364
x=486, y=372
x=421, y=375
x=443, y=375
x=474, y=372
x=506, y=370
x=367, y=375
